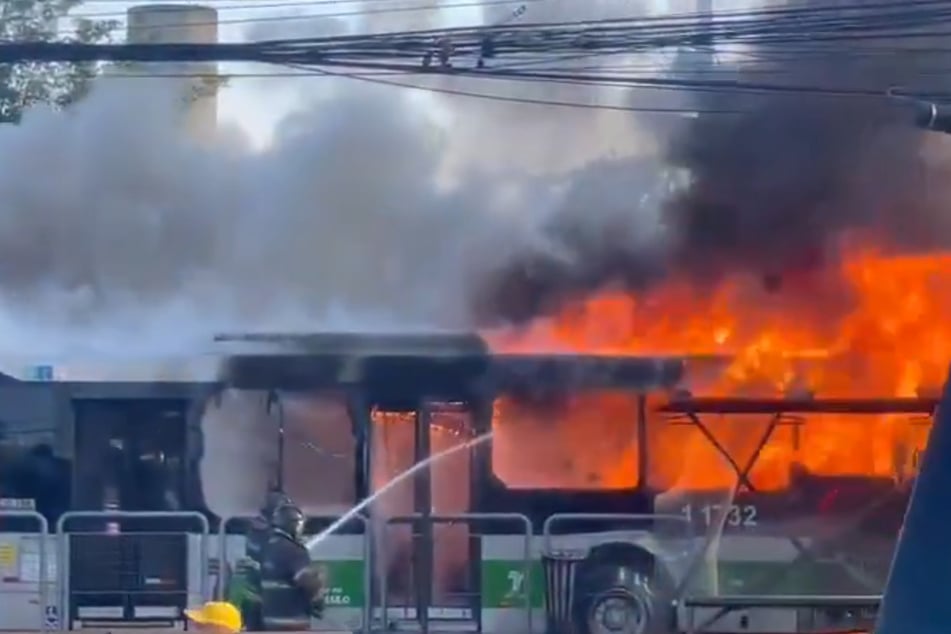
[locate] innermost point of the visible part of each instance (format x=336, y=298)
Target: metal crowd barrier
x=63, y=567
x=729, y=604
x=557, y=518
x=367, y=612
x=42, y=536
x=458, y=518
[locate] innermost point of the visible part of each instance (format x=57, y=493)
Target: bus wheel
x=620, y=611
x=620, y=589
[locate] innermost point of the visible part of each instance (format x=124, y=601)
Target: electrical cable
x=525, y=100
x=247, y=5
x=643, y=82
x=800, y=27
x=619, y=36
x=672, y=20
x=327, y=16
x=607, y=81
x=787, y=9
x=246, y=75
x=676, y=84
x=546, y=40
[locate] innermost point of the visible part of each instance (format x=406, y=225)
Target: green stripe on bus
x=805, y=577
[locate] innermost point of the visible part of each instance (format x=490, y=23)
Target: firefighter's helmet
x=289, y=519
x=274, y=500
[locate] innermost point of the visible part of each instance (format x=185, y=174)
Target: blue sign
x=42, y=373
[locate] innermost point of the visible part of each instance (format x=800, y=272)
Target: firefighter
x=292, y=587
x=244, y=590
x=261, y=526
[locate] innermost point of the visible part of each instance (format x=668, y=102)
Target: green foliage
x=60, y=84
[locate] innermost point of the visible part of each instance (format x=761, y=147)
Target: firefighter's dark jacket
x=258, y=535
x=288, y=590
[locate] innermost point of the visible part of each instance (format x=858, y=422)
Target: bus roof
x=439, y=344
x=433, y=363
x=440, y=363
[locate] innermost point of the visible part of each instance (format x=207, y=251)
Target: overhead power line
x=596, y=36
x=463, y=47
x=893, y=11
x=635, y=81
x=300, y=17
x=786, y=10
x=241, y=6
x=374, y=77
x=602, y=37
x=363, y=77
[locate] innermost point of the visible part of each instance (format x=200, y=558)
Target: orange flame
x=877, y=326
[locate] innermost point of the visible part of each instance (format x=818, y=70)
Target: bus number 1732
x=737, y=515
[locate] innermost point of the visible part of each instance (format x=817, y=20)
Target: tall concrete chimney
x=182, y=24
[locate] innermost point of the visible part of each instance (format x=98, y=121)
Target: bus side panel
x=504, y=584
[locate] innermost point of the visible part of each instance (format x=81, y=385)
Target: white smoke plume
x=111, y=215
x=370, y=210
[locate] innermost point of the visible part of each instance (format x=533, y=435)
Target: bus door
x=129, y=456
x=432, y=567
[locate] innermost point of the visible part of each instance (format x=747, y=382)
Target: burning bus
x=678, y=463
x=728, y=445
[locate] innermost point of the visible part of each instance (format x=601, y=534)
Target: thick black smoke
x=781, y=185
x=596, y=237
x=784, y=183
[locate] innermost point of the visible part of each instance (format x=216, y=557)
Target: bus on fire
x=604, y=466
